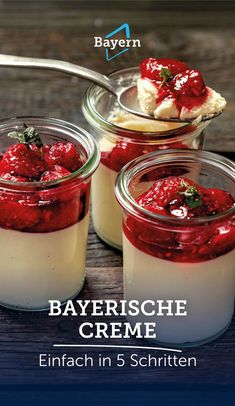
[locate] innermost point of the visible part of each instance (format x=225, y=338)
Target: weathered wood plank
x=142, y=14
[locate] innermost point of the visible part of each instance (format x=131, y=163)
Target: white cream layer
x=148, y=94
x=207, y=286
x=36, y=267
x=132, y=122
x=106, y=212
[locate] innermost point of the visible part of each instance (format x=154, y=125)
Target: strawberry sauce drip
x=150, y=68
x=168, y=197
x=125, y=151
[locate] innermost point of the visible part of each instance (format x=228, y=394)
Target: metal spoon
x=126, y=97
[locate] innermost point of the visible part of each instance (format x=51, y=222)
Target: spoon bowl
x=128, y=100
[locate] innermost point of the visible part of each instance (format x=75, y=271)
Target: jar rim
x=97, y=120
x=90, y=146
x=128, y=203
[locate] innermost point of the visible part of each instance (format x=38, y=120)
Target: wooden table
x=197, y=33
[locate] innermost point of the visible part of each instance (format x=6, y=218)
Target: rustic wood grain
x=201, y=33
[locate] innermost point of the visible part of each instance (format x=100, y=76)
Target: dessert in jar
x=45, y=172
x=179, y=240
x=123, y=137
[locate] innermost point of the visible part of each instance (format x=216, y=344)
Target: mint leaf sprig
x=192, y=196
x=29, y=136
x=165, y=74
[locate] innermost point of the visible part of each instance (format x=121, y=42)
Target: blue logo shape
x=125, y=27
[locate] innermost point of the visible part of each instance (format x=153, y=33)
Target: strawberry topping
x=181, y=197
x=124, y=152
x=217, y=200
x=58, y=172
x=64, y=154
x=22, y=161
x=189, y=83
x=175, y=80
x=30, y=160
x=18, y=215
x=13, y=178
x=150, y=68
x=47, y=209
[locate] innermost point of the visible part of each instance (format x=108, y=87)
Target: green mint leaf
x=15, y=134
x=190, y=191
x=165, y=74
x=192, y=197
x=193, y=201
x=32, y=137
x=29, y=136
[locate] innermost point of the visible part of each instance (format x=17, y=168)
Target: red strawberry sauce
x=180, y=197
x=186, y=86
x=42, y=209
x=125, y=151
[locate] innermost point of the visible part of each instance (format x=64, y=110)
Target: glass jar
x=168, y=258
x=123, y=137
x=44, y=225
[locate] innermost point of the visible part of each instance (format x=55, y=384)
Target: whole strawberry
x=189, y=83
x=64, y=154
x=152, y=68
x=13, y=178
x=20, y=160
x=24, y=159
x=57, y=172
x=59, y=193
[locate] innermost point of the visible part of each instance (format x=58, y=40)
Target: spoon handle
x=62, y=66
